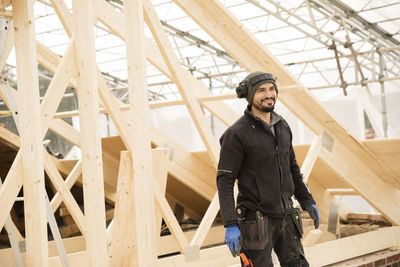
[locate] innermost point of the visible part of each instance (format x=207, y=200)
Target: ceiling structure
x=328, y=45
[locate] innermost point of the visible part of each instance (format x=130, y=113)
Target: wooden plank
x=64, y=192
x=66, y=21
x=351, y=247
x=75, y=173
x=72, y=245
x=12, y=237
x=311, y=157
x=167, y=245
x=65, y=130
x=386, y=151
x=123, y=241
x=30, y=133
x=8, y=45
x=122, y=124
x=57, y=86
x=160, y=172
x=170, y=219
x=92, y=167
x=9, y=137
x=216, y=256
x=310, y=238
x=206, y=223
x=326, y=175
x=141, y=150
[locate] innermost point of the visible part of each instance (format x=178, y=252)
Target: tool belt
x=254, y=227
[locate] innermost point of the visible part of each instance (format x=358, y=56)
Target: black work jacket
x=264, y=165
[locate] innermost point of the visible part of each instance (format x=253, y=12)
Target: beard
x=265, y=109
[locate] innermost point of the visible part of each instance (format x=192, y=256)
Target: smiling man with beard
x=257, y=151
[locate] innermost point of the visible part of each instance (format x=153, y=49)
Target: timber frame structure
x=133, y=176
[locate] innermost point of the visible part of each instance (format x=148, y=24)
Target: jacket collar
x=275, y=117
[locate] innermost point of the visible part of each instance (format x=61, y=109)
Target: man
x=257, y=151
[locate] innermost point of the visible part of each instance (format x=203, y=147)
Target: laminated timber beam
x=92, y=167
x=350, y=247
x=30, y=133
x=217, y=21
x=143, y=223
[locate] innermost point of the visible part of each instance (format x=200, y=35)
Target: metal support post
x=343, y=82
x=382, y=68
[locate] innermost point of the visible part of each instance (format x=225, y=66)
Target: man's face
x=265, y=98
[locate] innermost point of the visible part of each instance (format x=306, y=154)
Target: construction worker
x=257, y=151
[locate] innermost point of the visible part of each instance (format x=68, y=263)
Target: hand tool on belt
x=246, y=261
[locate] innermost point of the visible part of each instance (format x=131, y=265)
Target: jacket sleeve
x=230, y=161
x=301, y=191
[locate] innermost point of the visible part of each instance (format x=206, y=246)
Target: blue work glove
x=314, y=214
x=232, y=234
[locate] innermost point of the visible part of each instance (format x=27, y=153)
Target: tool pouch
x=296, y=217
x=254, y=233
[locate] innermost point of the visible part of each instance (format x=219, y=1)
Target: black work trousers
x=282, y=234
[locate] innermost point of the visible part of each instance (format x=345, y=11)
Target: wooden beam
x=64, y=192
x=92, y=166
x=170, y=219
x=153, y=105
x=62, y=128
x=123, y=250
x=8, y=45
x=350, y=247
x=74, y=175
x=215, y=256
x=30, y=133
x=160, y=172
x=311, y=158
x=57, y=86
x=10, y=189
x=167, y=245
x=145, y=226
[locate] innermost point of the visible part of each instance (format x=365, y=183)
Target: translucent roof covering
x=303, y=35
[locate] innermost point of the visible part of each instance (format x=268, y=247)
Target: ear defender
x=242, y=90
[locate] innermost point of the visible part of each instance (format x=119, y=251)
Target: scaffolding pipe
x=382, y=68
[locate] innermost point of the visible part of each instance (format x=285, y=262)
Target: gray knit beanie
x=249, y=85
